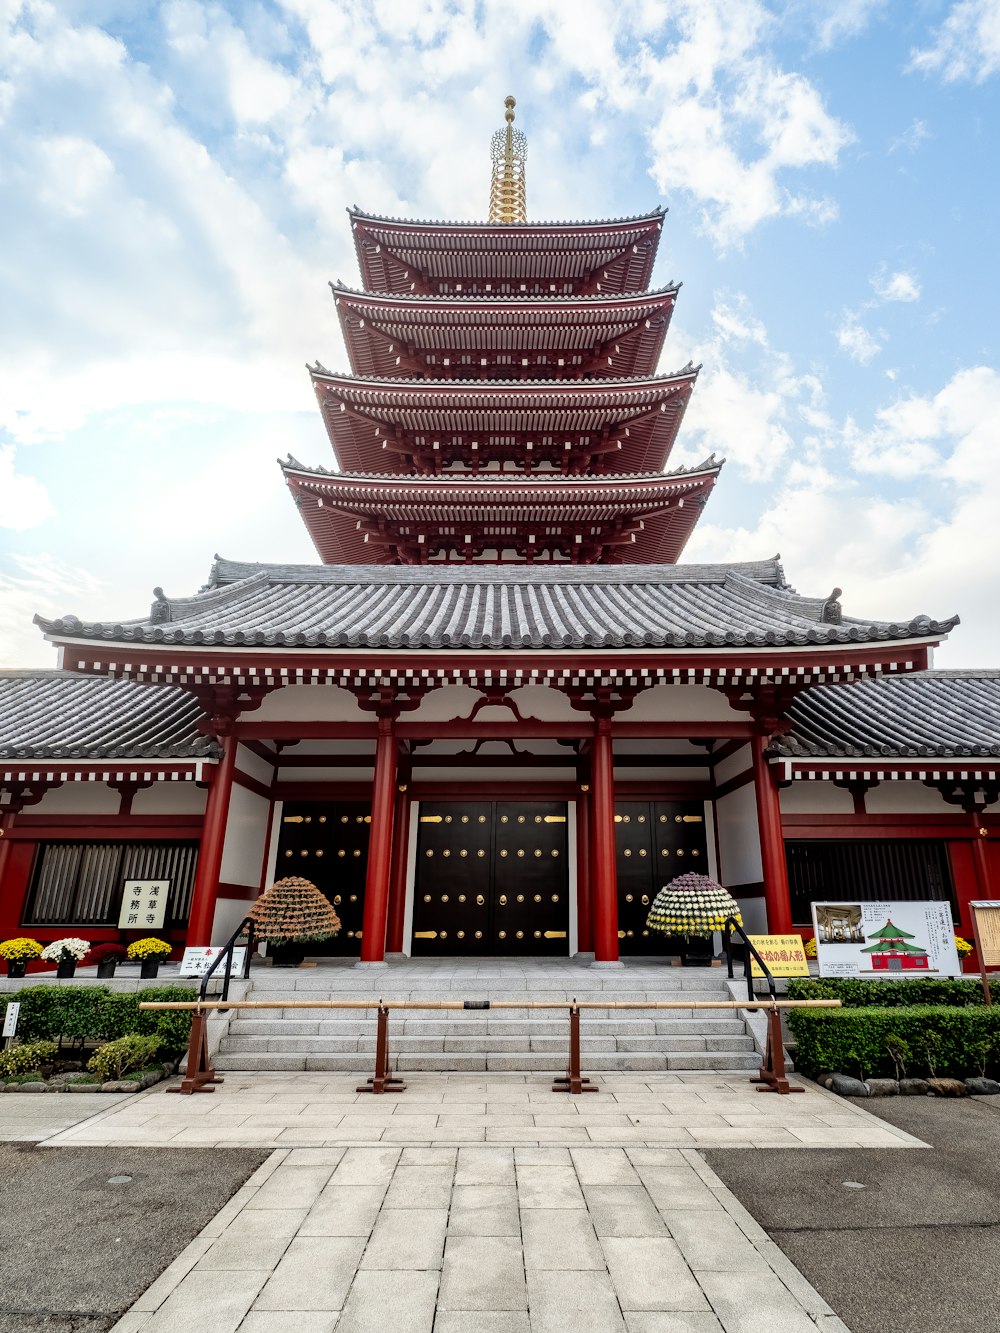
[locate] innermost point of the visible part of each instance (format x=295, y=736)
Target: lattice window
x=867, y=870
x=80, y=883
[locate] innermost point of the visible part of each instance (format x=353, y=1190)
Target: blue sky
x=174, y=178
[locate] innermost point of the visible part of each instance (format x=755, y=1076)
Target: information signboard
x=196, y=962
x=885, y=939
x=144, y=904
x=783, y=955
x=10, y=1018
x=986, y=925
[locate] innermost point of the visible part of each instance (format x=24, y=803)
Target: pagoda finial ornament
x=509, y=149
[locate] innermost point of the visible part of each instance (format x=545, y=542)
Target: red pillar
x=604, y=872
x=980, y=855
x=772, y=843
x=380, y=846
x=213, y=835
x=397, y=888
x=6, y=826
x=584, y=883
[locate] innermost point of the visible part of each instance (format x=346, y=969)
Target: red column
x=213, y=835
x=604, y=873
x=380, y=845
x=772, y=843
x=6, y=825
x=584, y=885
x=980, y=856
x=397, y=888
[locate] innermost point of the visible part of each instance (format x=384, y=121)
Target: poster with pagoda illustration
x=894, y=940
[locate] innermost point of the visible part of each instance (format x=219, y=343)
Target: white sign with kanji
x=197, y=961
x=144, y=904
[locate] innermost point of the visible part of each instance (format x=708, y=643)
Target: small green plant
x=26, y=1058
x=114, y=1059
x=932, y=1051
x=899, y=1052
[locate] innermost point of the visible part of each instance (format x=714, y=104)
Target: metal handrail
x=244, y=928
x=732, y=924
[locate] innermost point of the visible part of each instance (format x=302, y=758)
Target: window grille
x=867, y=870
x=80, y=883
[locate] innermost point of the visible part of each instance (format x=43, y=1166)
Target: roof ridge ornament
x=508, y=148
x=831, y=613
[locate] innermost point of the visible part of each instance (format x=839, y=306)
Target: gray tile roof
x=60, y=715
x=929, y=713
x=495, y=607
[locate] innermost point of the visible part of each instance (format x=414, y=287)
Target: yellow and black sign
x=783, y=954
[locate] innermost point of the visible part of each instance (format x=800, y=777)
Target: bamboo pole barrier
x=481, y=1005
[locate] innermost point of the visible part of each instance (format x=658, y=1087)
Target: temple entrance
x=655, y=841
x=327, y=842
x=491, y=878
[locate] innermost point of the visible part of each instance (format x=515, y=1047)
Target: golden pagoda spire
x=509, y=149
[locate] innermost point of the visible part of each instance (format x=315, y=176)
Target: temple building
x=500, y=712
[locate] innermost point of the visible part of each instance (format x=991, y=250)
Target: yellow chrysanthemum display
x=692, y=904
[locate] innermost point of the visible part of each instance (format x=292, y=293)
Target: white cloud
x=24, y=502
x=42, y=584
x=967, y=44
x=839, y=20
x=901, y=286
x=854, y=339
x=911, y=138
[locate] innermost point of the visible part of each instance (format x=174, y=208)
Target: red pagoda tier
x=503, y=403
x=500, y=516
x=525, y=259
x=572, y=427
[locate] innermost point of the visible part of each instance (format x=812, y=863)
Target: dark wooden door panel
x=655, y=841
x=491, y=878
x=328, y=843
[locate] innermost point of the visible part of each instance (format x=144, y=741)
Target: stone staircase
x=504, y=1040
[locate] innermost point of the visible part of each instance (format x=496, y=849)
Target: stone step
x=319, y=1045
x=532, y=1062
x=294, y=1027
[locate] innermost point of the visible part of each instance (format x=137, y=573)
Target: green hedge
x=947, y=1041
x=96, y=1013
x=886, y=994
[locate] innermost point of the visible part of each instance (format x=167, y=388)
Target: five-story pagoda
x=504, y=404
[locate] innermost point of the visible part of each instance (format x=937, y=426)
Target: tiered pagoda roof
x=570, y=426
x=503, y=402
x=404, y=257
x=357, y=519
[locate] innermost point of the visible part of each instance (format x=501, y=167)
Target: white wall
x=890, y=798
x=733, y=765
x=78, y=798
x=248, y=762
x=246, y=834
x=682, y=703
x=310, y=703
x=229, y=912
x=739, y=838
x=170, y=798
x=816, y=798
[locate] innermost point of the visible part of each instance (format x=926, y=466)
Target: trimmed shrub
x=856, y=993
x=92, y=1013
x=115, y=1058
x=26, y=1058
x=946, y=1041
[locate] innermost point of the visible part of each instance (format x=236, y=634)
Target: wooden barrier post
x=573, y=1081
x=772, y=1071
x=383, y=1080
x=199, y=1071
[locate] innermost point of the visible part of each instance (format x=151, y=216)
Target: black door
x=655, y=841
x=491, y=878
x=327, y=842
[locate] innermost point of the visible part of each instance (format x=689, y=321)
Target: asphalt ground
x=76, y=1251
x=916, y=1249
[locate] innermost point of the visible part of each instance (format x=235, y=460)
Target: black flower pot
x=697, y=951
x=150, y=968
x=286, y=955
x=16, y=967
x=107, y=967
x=66, y=967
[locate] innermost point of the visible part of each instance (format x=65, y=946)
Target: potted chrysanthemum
x=18, y=954
x=106, y=957
x=693, y=907
x=290, y=915
x=66, y=954
x=150, y=952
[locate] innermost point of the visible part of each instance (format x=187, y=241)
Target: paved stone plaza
x=472, y=1205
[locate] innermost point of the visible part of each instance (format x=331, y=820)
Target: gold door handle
x=503, y=900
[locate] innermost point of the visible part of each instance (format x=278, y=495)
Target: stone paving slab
x=352, y=1253
x=693, y=1110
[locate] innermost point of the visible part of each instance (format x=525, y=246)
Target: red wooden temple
x=500, y=713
